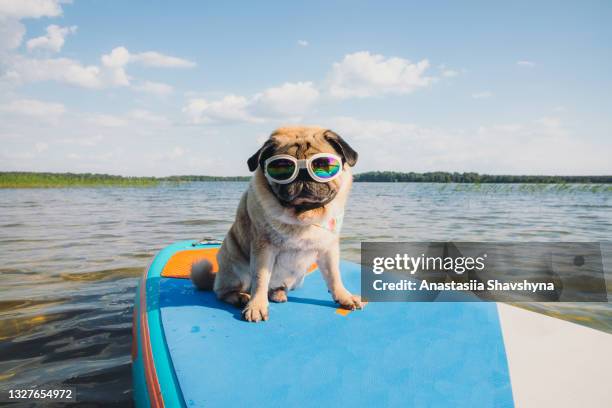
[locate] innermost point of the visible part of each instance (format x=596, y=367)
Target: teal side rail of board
x=192, y=350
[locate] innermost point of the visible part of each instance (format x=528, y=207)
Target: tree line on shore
x=34, y=179
x=446, y=177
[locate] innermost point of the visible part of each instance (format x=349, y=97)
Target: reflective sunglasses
x=283, y=169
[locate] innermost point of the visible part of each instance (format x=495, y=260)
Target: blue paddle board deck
x=193, y=350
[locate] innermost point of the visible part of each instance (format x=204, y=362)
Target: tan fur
x=269, y=248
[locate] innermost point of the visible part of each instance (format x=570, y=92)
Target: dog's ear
x=343, y=148
x=260, y=155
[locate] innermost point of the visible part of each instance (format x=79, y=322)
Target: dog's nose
x=303, y=175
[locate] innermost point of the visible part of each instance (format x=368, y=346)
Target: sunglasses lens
x=281, y=169
x=326, y=167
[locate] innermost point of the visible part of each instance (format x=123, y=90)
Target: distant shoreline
x=59, y=180
x=475, y=178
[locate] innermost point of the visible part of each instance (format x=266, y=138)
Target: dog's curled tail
x=202, y=275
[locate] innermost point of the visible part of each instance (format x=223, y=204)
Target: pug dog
x=287, y=220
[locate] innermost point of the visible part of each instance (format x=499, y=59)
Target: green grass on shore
x=56, y=180
x=59, y=180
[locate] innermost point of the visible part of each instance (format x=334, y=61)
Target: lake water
x=70, y=258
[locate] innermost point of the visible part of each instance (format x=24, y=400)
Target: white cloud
x=117, y=77
x=31, y=8
x=11, y=11
x=549, y=122
x=104, y=120
x=552, y=126
x=33, y=107
x=399, y=146
x=289, y=99
x=362, y=74
x=117, y=142
x=372, y=129
x=22, y=69
x=525, y=63
x=544, y=127
x=449, y=73
x=482, y=95
x=231, y=108
x=357, y=75
x=11, y=33
x=86, y=141
x=119, y=57
x=156, y=59
x=115, y=62
x=54, y=40
x=542, y=146
x=303, y=43
x=176, y=153
x=41, y=147
x=501, y=129
x=146, y=116
x=156, y=88
x=130, y=118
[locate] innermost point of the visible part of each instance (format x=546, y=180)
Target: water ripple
x=71, y=258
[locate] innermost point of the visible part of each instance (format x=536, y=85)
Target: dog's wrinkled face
x=304, y=193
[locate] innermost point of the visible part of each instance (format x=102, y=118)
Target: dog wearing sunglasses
x=287, y=220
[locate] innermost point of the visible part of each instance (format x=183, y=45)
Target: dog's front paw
x=349, y=301
x=255, y=311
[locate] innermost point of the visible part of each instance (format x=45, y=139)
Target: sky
x=168, y=88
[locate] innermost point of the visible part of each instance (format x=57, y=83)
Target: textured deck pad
x=390, y=354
